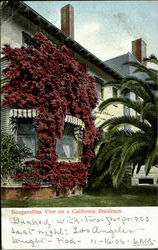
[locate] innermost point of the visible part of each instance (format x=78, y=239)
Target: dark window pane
x=114, y=92
x=99, y=89
x=26, y=134
x=146, y=181
x=127, y=109
x=26, y=127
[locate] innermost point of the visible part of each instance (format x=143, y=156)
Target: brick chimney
x=67, y=20
x=139, y=49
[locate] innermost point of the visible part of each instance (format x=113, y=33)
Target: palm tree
x=138, y=147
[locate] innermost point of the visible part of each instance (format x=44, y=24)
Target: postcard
x=78, y=125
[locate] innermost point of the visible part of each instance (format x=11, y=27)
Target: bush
x=12, y=155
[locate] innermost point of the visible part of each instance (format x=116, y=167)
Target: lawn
x=134, y=196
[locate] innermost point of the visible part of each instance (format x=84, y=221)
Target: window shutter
x=5, y=120
x=4, y=64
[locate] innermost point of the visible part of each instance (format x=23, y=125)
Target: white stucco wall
x=153, y=174
x=12, y=26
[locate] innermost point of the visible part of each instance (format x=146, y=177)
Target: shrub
x=12, y=155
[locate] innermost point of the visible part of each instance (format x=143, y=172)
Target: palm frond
x=120, y=100
x=152, y=59
x=130, y=149
x=140, y=164
x=113, y=83
x=104, y=154
x=114, y=164
x=99, y=180
x=151, y=157
x=139, y=88
x=141, y=68
x=118, y=177
x=117, y=122
x=148, y=108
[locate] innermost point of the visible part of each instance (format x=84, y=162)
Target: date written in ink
x=143, y=242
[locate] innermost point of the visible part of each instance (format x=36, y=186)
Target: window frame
x=77, y=142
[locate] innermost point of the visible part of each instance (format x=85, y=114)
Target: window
x=102, y=92
x=26, y=134
x=137, y=98
x=99, y=87
x=146, y=181
x=138, y=115
x=99, y=90
x=114, y=92
x=28, y=41
x=70, y=146
x=65, y=145
x=127, y=110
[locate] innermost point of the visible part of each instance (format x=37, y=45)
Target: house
x=19, y=23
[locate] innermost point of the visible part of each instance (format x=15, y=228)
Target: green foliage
x=121, y=148
x=12, y=155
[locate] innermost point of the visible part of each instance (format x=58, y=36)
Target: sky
x=107, y=28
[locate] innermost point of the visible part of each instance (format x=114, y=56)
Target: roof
x=61, y=36
x=119, y=65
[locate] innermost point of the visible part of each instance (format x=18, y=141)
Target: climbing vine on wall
x=51, y=81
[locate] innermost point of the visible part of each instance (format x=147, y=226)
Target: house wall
x=111, y=111
x=13, y=24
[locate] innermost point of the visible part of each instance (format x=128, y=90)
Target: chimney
x=139, y=49
x=67, y=20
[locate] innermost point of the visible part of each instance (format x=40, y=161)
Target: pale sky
x=106, y=28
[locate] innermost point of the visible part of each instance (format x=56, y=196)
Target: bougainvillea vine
x=51, y=81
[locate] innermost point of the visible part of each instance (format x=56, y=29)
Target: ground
x=134, y=196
